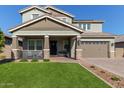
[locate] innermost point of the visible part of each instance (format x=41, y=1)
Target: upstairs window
x=34, y=16
x=64, y=19
x=88, y=26
x=85, y=26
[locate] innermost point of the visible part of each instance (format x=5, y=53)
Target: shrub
x=92, y=66
x=23, y=60
x=34, y=60
x=114, y=78
x=2, y=56
x=46, y=60
x=102, y=71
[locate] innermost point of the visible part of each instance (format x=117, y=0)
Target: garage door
x=95, y=49
x=119, y=52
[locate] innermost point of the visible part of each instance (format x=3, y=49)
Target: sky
x=113, y=16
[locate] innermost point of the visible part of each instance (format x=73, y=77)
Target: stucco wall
x=60, y=15
x=28, y=15
x=95, y=27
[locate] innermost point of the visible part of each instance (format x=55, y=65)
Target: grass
x=48, y=75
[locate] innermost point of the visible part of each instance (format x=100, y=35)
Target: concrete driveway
x=113, y=65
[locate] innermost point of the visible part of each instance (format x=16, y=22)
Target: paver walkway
x=62, y=59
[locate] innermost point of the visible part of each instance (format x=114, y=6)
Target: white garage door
x=95, y=49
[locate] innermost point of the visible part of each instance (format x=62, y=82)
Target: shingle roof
x=97, y=34
x=119, y=38
x=88, y=21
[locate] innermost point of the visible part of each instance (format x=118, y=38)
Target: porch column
x=73, y=47
x=78, y=48
x=112, y=49
x=15, y=47
x=46, y=49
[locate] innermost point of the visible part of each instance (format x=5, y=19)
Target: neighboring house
x=119, y=46
x=47, y=31
x=6, y=50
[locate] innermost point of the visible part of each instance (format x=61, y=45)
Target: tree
x=2, y=40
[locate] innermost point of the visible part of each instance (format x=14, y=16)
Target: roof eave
x=13, y=29
x=30, y=7
x=60, y=11
x=88, y=21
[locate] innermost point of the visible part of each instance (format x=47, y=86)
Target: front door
x=53, y=47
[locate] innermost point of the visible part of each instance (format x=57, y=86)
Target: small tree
x=2, y=40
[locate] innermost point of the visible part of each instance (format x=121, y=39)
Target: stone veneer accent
x=15, y=47
x=46, y=50
x=78, y=48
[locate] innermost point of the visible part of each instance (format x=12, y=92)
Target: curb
x=97, y=76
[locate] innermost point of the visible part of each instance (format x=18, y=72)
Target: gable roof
x=58, y=10
x=31, y=7
x=46, y=16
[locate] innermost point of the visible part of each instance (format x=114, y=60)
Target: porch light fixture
x=112, y=44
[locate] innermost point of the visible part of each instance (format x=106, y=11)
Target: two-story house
x=47, y=31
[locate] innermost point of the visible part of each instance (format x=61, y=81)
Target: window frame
x=85, y=26
x=32, y=17
x=35, y=44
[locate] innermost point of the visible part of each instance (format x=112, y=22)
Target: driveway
x=113, y=65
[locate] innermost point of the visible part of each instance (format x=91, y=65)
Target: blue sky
x=112, y=15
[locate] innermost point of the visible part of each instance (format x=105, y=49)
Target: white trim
x=31, y=7
x=43, y=33
x=78, y=36
x=86, y=26
x=59, y=10
x=46, y=16
x=112, y=51
x=14, y=36
x=46, y=36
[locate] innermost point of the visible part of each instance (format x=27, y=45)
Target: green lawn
x=47, y=75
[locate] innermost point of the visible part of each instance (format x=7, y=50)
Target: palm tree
x=2, y=40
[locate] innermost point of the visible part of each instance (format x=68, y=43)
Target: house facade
x=47, y=31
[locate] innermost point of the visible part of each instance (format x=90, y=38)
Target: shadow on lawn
x=6, y=61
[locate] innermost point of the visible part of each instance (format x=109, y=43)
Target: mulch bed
x=113, y=79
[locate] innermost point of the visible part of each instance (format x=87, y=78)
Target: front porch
x=45, y=47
